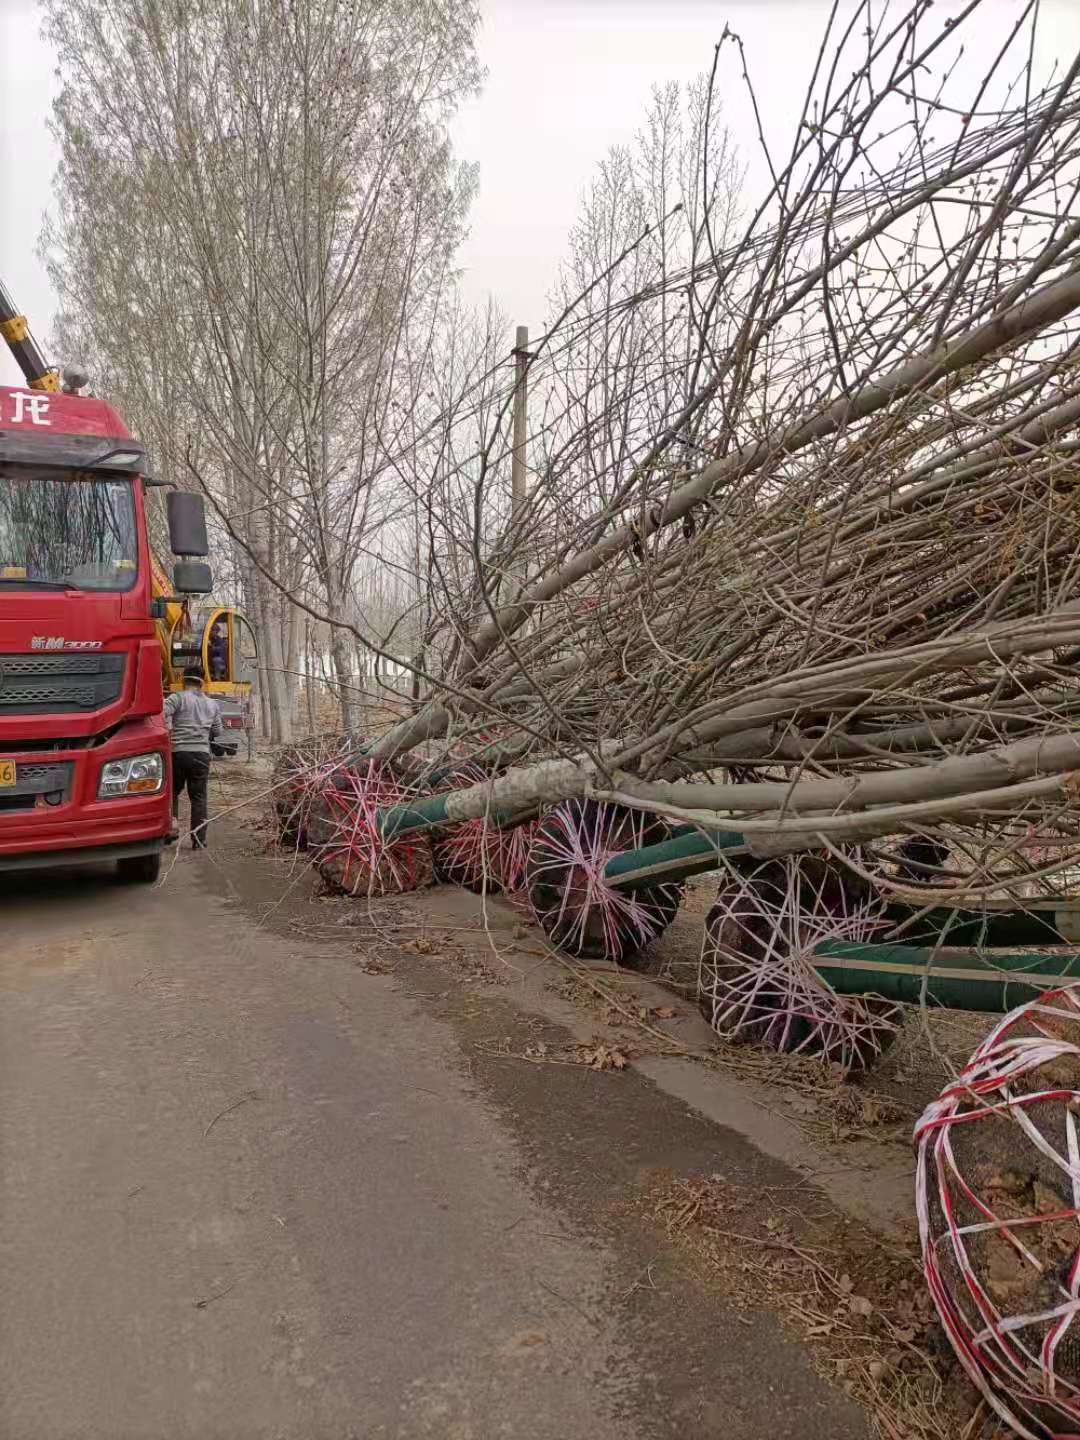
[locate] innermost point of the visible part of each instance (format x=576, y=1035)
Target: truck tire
x=139, y=869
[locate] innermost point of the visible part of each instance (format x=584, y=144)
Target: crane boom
x=15, y=330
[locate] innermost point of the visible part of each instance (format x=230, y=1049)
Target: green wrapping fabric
x=1058, y=925
x=957, y=980
x=416, y=815
x=426, y=813
x=687, y=852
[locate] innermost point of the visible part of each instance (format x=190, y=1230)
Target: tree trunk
x=277, y=688
x=292, y=652
x=280, y=689
x=309, y=672
x=341, y=653
x=363, y=671
x=254, y=609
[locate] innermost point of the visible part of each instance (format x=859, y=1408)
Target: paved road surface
x=248, y=1192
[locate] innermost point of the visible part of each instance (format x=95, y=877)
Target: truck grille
x=58, y=684
x=33, y=779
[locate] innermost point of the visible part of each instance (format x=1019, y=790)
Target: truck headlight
x=137, y=775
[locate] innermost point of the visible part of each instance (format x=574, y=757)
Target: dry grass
x=598, y=1054
x=857, y=1300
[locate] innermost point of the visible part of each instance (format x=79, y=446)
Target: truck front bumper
x=55, y=834
x=85, y=855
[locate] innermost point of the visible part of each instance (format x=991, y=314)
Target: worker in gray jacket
x=194, y=722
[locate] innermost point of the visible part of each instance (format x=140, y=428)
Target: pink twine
x=756, y=973
x=370, y=864
x=512, y=856
x=296, y=793
x=570, y=897
x=477, y=854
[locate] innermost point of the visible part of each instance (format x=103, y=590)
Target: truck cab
x=84, y=751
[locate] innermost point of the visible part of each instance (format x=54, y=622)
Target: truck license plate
x=7, y=774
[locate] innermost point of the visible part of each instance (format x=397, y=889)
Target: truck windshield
x=61, y=528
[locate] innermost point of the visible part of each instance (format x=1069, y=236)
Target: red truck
x=84, y=753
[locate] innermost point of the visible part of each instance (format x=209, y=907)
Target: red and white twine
x=1012, y=1359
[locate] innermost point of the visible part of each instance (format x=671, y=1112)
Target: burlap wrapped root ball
x=756, y=978
x=299, y=775
x=292, y=794
x=998, y=1200
x=352, y=857
x=476, y=854
x=481, y=856
x=579, y=910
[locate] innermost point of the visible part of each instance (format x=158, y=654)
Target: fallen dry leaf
x=602, y=1058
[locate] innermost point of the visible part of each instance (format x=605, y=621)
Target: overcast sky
x=566, y=80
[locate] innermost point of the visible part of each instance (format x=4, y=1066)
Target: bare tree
x=259, y=199
x=656, y=209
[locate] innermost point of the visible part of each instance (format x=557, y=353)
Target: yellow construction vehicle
x=216, y=640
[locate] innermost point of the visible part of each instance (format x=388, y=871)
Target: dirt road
x=250, y=1190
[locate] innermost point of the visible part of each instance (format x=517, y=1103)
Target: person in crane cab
x=194, y=722
x=219, y=652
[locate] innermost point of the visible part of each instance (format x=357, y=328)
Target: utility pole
x=518, y=492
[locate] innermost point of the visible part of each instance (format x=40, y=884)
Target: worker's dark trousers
x=192, y=770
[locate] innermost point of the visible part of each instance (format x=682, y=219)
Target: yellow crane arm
x=15, y=332
x=172, y=622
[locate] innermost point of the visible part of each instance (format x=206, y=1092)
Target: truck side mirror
x=192, y=577
x=187, y=523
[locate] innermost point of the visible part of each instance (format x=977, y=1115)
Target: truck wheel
x=140, y=869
